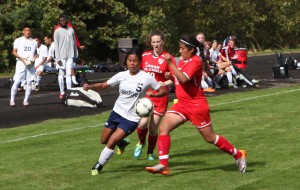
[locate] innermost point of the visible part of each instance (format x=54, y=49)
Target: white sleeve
x=154, y=84
x=115, y=80
x=56, y=39
x=210, y=52
x=44, y=52
x=16, y=43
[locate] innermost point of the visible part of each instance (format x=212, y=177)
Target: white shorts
x=22, y=72
x=40, y=68
x=66, y=64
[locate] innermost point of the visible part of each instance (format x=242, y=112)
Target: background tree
x=258, y=24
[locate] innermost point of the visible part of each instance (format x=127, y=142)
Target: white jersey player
x=24, y=48
x=51, y=51
x=131, y=88
x=39, y=63
x=65, y=52
x=133, y=84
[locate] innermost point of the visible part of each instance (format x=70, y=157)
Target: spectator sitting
x=200, y=37
x=225, y=62
x=207, y=73
x=225, y=42
x=217, y=65
x=229, y=53
x=219, y=46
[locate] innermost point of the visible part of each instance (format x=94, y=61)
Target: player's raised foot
x=12, y=103
x=96, y=169
x=150, y=157
x=159, y=168
x=121, y=149
x=241, y=162
x=25, y=103
x=138, y=150
x=61, y=96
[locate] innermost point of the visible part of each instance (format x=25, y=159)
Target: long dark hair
x=133, y=52
x=192, y=43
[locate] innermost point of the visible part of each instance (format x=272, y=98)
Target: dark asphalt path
x=46, y=104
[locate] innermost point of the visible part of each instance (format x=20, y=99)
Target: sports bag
x=80, y=98
x=291, y=63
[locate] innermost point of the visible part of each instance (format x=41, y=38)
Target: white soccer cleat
x=25, y=103
x=159, y=168
x=242, y=163
x=12, y=103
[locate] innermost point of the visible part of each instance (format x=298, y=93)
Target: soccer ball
x=143, y=107
x=29, y=61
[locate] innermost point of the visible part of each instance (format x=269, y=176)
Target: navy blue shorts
x=116, y=121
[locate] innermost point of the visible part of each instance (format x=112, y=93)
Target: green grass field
x=59, y=154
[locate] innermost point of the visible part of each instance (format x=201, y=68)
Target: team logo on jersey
x=129, y=93
x=160, y=61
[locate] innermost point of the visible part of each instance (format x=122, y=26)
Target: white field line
x=80, y=128
x=255, y=97
x=51, y=133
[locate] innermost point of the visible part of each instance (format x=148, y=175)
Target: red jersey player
x=192, y=105
x=153, y=62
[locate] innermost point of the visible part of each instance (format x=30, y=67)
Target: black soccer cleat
x=96, y=169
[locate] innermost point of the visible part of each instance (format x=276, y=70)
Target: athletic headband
x=187, y=43
x=198, y=51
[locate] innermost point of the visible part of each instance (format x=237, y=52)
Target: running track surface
x=46, y=104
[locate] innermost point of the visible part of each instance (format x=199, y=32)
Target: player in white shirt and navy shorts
x=24, y=47
x=123, y=120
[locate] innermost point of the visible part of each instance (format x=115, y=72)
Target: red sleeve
x=194, y=67
x=222, y=53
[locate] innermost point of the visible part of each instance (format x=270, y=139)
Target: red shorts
x=160, y=104
x=160, y=110
x=199, y=115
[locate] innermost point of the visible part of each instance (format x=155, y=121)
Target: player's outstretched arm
x=97, y=86
x=160, y=92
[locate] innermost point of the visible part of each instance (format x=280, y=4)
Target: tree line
x=258, y=24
